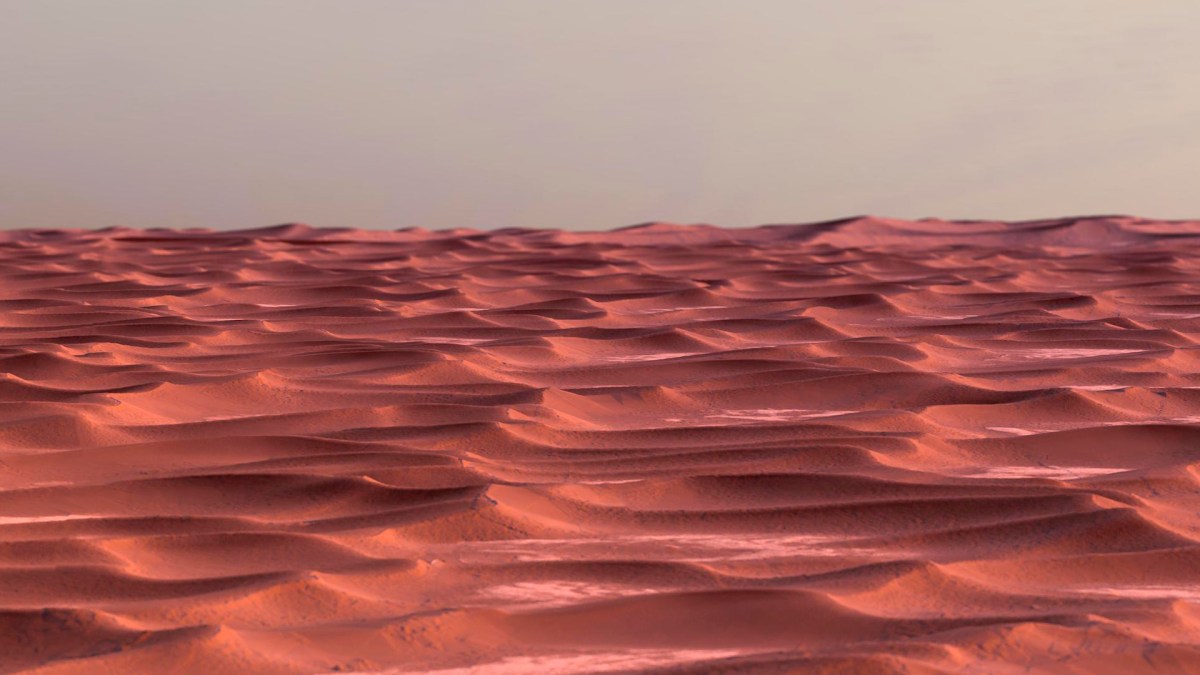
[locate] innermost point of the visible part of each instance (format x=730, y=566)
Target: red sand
x=862, y=446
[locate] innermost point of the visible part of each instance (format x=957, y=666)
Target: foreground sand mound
x=867, y=445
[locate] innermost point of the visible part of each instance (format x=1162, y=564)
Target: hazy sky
x=592, y=114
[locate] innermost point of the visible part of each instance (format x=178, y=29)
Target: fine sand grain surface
x=857, y=447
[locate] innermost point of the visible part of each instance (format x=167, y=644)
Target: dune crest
x=865, y=445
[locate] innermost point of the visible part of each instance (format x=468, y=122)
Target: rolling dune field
x=863, y=446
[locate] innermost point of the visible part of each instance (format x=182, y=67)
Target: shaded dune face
x=861, y=446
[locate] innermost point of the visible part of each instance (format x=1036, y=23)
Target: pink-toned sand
x=856, y=447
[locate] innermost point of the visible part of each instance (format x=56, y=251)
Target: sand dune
x=867, y=445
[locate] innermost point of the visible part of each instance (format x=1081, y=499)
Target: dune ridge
x=865, y=445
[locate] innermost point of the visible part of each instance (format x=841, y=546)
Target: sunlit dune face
x=683, y=547
x=1151, y=592
x=776, y=414
x=588, y=662
x=1052, y=472
x=558, y=593
x=638, y=358
x=21, y=520
x=1068, y=353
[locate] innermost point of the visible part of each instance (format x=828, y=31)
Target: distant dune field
x=868, y=445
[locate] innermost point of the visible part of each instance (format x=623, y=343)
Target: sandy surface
x=862, y=446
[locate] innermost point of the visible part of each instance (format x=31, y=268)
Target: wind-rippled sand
x=861, y=446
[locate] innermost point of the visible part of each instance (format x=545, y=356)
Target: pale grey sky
x=590, y=114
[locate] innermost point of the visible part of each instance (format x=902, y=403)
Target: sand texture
x=864, y=446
